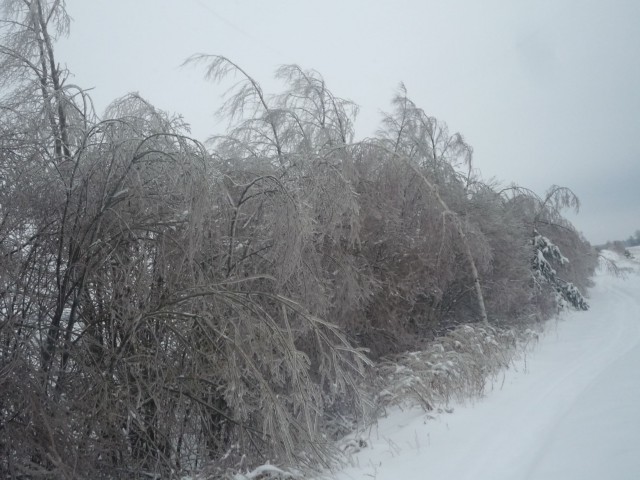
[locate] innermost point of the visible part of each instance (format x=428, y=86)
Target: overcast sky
x=546, y=91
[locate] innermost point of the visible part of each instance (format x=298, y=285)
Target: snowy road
x=572, y=411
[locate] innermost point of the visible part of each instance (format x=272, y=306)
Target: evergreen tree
x=545, y=255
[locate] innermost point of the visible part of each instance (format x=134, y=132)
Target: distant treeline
x=619, y=245
x=633, y=240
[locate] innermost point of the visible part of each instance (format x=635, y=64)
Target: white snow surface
x=570, y=409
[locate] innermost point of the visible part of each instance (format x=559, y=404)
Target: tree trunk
x=459, y=230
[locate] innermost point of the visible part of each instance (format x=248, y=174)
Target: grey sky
x=546, y=91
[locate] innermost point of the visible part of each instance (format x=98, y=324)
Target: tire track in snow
x=602, y=336
x=582, y=346
x=628, y=295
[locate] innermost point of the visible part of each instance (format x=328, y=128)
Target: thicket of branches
x=166, y=306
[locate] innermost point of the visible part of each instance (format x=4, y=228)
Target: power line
x=257, y=41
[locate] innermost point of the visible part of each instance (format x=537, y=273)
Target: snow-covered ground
x=569, y=410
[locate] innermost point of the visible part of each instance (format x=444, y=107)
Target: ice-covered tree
x=166, y=304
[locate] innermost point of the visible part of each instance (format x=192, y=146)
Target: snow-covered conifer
x=546, y=253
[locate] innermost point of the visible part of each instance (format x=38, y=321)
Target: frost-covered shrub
x=454, y=366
